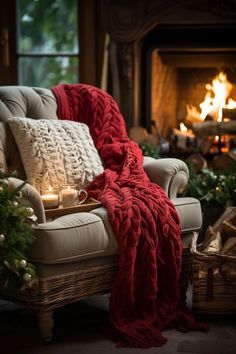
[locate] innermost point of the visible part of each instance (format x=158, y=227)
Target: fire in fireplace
x=163, y=53
x=217, y=102
x=213, y=121
x=187, y=85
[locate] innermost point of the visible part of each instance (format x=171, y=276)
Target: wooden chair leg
x=45, y=323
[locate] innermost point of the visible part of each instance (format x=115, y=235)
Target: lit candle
x=183, y=139
x=50, y=198
x=69, y=196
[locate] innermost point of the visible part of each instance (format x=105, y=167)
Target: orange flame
x=216, y=98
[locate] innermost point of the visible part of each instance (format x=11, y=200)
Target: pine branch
x=16, y=236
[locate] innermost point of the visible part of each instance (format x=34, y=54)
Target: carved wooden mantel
x=129, y=21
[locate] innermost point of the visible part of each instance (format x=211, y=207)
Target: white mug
x=70, y=196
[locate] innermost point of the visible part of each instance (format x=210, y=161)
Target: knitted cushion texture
x=145, y=296
x=56, y=152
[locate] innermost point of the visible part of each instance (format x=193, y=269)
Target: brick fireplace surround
x=162, y=53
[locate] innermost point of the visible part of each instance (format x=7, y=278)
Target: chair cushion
x=81, y=236
x=71, y=238
x=56, y=152
x=189, y=210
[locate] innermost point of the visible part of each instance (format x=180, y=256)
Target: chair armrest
x=169, y=173
x=31, y=197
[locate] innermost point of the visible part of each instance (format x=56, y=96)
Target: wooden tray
x=90, y=204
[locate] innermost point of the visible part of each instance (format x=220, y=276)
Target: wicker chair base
x=57, y=291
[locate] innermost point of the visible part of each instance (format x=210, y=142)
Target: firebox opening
x=177, y=63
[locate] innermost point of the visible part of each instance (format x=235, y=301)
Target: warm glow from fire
x=216, y=98
x=231, y=104
x=183, y=128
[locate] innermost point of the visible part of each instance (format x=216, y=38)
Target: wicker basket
x=214, y=282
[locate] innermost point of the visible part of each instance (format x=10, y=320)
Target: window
x=47, y=50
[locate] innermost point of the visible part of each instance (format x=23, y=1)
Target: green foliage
x=212, y=188
x=48, y=27
x=149, y=150
x=50, y=71
x=16, y=237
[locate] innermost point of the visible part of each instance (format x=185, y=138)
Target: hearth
x=163, y=53
x=177, y=63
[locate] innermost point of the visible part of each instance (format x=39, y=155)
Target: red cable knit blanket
x=145, y=294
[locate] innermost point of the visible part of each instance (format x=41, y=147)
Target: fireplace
x=163, y=53
x=177, y=63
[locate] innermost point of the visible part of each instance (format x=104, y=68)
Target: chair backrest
x=21, y=101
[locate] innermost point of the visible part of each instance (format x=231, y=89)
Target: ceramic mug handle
x=82, y=196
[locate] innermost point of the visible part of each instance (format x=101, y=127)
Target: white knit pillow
x=56, y=152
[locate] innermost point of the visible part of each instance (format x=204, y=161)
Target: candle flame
x=183, y=127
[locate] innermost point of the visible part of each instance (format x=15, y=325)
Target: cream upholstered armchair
x=76, y=255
